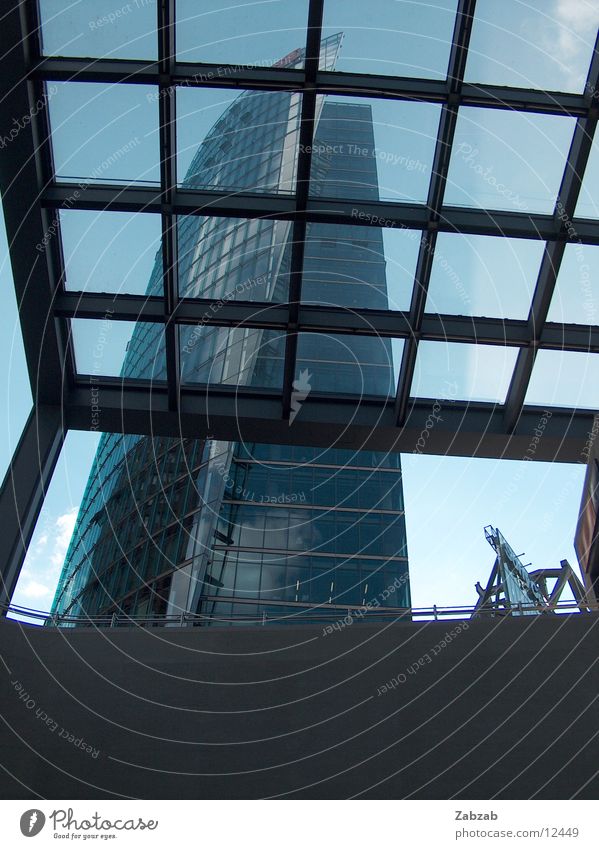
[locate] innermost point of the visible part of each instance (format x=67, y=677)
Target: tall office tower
x=239, y=531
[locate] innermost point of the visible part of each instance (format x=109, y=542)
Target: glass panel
x=348, y=364
x=105, y=134
x=463, y=372
x=576, y=296
x=241, y=33
x=483, y=275
x=115, y=252
x=407, y=39
x=532, y=44
x=588, y=199
x=244, y=141
x=236, y=357
x=508, y=160
x=233, y=258
x=565, y=379
x=89, y=28
x=108, y=348
x=367, y=267
x=373, y=149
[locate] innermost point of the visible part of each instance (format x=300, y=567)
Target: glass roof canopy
x=485, y=202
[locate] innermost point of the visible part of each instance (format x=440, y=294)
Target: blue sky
x=500, y=161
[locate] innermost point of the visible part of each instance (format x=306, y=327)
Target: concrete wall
x=507, y=708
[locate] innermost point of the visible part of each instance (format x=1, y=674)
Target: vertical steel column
x=24, y=488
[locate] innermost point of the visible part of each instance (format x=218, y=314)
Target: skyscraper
x=228, y=529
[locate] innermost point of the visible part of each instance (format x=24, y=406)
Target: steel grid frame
x=46, y=307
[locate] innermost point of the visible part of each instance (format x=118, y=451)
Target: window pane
x=565, y=379
x=508, y=160
x=105, y=134
x=406, y=39
x=236, y=357
x=588, y=199
x=532, y=44
x=108, y=348
x=233, y=258
x=241, y=33
x=463, y=372
x=367, y=267
x=115, y=252
x=242, y=141
x=576, y=296
x=354, y=365
x=483, y=275
x=373, y=149
x=89, y=28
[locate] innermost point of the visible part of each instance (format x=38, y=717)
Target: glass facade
x=240, y=532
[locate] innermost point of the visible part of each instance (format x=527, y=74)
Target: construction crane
x=514, y=591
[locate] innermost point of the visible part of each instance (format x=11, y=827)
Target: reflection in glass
x=463, y=372
x=508, y=160
x=483, y=275
x=114, y=252
x=104, y=134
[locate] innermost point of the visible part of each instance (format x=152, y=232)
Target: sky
x=111, y=134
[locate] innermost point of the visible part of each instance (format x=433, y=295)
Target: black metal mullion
x=447, y=125
x=205, y=75
x=298, y=230
x=565, y=207
x=413, y=216
x=168, y=182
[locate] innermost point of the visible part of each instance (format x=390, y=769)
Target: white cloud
x=33, y=589
x=577, y=21
x=63, y=531
x=44, y=560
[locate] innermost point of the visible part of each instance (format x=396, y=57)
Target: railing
x=292, y=612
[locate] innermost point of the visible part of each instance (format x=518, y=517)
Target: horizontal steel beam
x=314, y=318
x=474, y=430
x=322, y=210
x=206, y=75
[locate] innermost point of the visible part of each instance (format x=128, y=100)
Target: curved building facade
x=244, y=532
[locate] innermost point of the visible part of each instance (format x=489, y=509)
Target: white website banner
x=301, y=824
